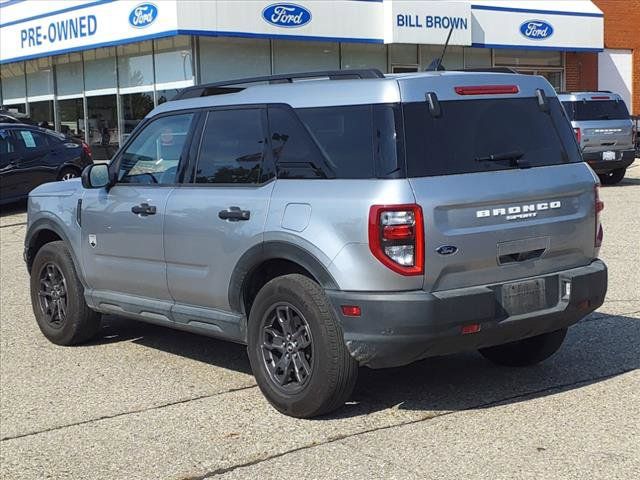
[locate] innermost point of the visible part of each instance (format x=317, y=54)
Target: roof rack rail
x=227, y=86
x=491, y=69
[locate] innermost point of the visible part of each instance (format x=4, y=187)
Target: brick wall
x=622, y=30
x=581, y=71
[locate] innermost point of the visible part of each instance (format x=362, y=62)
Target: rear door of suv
x=501, y=182
x=219, y=215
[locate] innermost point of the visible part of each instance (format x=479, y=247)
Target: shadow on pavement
x=599, y=347
x=13, y=208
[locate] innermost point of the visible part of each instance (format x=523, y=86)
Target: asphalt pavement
x=146, y=402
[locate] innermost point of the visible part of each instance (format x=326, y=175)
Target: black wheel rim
x=52, y=294
x=287, y=347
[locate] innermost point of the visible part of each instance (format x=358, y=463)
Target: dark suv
x=31, y=156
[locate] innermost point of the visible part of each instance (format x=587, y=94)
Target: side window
x=154, y=155
x=232, y=148
x=6, y=146
x=295, y=154
x=30, y=139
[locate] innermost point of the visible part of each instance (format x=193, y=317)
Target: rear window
x=596, y=110
x=468, y=132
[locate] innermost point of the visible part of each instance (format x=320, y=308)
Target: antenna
x=436, y=63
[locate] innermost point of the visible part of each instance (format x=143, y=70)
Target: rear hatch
x=602, y=123
x=503, y=188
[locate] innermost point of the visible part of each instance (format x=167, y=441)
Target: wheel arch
x=258, y=265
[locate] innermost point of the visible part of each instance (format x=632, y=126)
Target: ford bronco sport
x=352, y=220
x=604, y=130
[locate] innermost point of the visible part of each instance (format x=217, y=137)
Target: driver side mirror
x=96, y=175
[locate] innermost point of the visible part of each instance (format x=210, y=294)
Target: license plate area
x=524, y=297
x=609, y=155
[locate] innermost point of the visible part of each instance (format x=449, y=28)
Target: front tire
x=525, y=352
x=613, y=177
x=296, y=348
x=57, y=298
x=68, y=173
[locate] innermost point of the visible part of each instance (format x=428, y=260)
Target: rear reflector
x=578, y=133
x=472, y=328
x=351, y=310
x=487, y=90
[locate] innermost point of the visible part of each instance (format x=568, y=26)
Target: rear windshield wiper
x=511, y=157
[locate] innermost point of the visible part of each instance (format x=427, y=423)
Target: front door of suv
x=211, y=222
x=122, y=228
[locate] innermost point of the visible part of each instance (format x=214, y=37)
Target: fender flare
x=49, y=224
x=272, y=250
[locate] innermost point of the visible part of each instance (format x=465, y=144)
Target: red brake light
x=351, y=310
x=578, y=133
x=487, y=89
x=87, y=149
x=602, y=97
x=599, y=206
x=396, y=237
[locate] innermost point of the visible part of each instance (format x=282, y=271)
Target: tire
x=76, y=322
x=67, y=173
x=525, y=352
x=333, y=372
x=612, y=177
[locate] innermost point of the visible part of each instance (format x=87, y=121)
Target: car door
x=122, y=226
x=211, y=222
x=33, y=166
x=10, y=183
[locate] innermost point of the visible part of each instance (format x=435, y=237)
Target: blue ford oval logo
x=536, y=29
x=143, y=15
x=447, y=250
x=288, y=15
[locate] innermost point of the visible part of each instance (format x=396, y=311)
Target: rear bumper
x=399, y=328
x=624, y=158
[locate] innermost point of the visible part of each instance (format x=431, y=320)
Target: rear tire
x=292, y=316
x=612, y=177
x=57, y=298
x=525, y=352
x=67, y=173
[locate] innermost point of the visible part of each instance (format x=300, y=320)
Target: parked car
x=361, y=220
x=604, y=130
x=8, y=116
x=31, y=156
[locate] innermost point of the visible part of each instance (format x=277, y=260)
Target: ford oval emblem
x=143, y=15
x=447, y=250
x=536, y=29
x=288, y=15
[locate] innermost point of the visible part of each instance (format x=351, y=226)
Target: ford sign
x=288, y=15
x=143, y=15
x=536, y=29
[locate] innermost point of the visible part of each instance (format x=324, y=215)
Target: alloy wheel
x=68, y=176
x=53, y=295
x=287, y=347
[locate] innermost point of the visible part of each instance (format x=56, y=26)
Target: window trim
x=114, y=165
x=267, y=169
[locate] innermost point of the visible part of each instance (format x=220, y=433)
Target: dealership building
x=95, y=68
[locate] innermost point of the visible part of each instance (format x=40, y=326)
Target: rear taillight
x=599, y=206
x=487, y=90
x=396, y=237
x=578, y=133
x=87, y=150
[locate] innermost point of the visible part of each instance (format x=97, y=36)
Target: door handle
x=234, y=214
x=144, y=209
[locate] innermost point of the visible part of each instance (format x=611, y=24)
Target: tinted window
x=30, y=139
x=232, y=147
x=294, y=151
x=596, y=110
x=6, y=145
x=469, y=131
x=358, y=141
x=153, y=156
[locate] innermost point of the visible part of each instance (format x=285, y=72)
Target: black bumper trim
x=624, y=158
x=398, y=328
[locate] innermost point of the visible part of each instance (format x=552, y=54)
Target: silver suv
x=350, y=220
x=604, y=130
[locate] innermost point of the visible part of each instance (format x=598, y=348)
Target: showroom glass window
x=14, y=89
x=135, y=82
x=224, y=58
x=69, y=76
x=296, y=56
x=40, y=91
x=173, y=62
